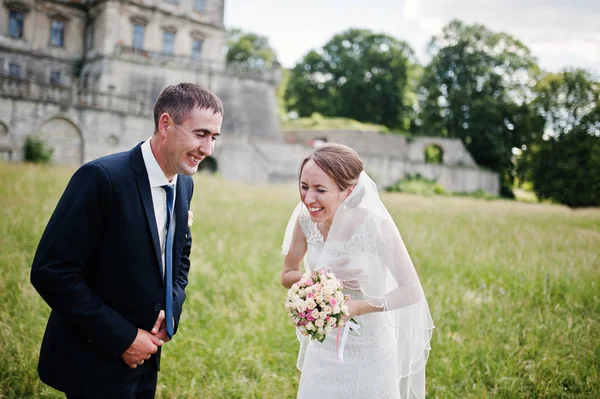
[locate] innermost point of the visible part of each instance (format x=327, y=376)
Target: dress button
x=157, y=307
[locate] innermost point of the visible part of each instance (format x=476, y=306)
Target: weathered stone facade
x=389, y=157
x=83, y=75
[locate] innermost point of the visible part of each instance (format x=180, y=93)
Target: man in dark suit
x=113, y=261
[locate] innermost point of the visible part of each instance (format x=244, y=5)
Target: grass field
x=514, y=291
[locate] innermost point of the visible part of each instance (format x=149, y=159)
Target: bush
x=479, y=194
x=567, y=170
x=37, y=151
x=417, y=185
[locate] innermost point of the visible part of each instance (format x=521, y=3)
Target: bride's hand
x=354, y=309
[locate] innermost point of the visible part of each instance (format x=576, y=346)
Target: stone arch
x=208, y=165
x=434, y=153
x=6, y=149
x=4, y=132
x=65, y=138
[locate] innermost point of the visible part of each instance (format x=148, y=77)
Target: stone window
x=434, y=154
x=89, y=36
x=168, y=42
x=57, y=33
x=197, y=48
x=138, y=36
x=55, y=77
x=200, y=5
x=16, y=19
x=15, y=70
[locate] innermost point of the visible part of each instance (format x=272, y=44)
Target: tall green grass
x=513, y=289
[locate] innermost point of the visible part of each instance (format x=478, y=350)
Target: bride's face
x=319, y=193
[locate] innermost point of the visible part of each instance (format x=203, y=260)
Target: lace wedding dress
x=369, y=369
x=386, y=357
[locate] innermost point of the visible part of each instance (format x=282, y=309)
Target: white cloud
x=560, y=33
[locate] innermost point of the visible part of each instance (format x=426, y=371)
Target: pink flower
x=323, y=272
x=309, y=282
x=303, y=322
x=311, y=295
x=327, y=317
x=333, y=302
x=310, y=317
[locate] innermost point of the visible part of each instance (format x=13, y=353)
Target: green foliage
x=564, y=99
x=564, y=168
x=434, y=154
x=317, y=122
x=567, y=169
x=357, y=74
x=478, y=194
x=512, y=288
x=249, y=49
x=37, y=151
x=416, y=184
x=476, y=89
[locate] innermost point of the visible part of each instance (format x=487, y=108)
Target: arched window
x=434, y=154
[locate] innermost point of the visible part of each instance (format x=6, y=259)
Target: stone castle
x=82, y=76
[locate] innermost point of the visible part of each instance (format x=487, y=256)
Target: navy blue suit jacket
x=99, y=267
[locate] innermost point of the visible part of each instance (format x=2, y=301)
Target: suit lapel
x=146, y=196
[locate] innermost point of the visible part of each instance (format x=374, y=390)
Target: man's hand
x=160, y=327
x=144, y=346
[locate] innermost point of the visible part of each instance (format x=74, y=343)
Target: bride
x=342, y=225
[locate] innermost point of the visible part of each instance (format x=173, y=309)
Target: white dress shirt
x=158, y=179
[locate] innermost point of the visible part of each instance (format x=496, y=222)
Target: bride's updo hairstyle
x=339, y=162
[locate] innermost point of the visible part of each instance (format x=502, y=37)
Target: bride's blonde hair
x=339, y=162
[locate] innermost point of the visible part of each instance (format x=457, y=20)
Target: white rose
x=302, y=293
x=319, y=322
x=310, y=326
x=321, y=331
x=315, y=313
x=300, y=306
x=344, y=309
x=319, y=297
x=322, y=315
x=302, y=330
x=331, y=322
x=339, y=296
x=336, y=309
x=327, y=309
x=310, y=303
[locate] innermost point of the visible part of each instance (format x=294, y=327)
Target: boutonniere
x=190, y=218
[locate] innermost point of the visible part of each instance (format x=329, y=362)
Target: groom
x=113, y=261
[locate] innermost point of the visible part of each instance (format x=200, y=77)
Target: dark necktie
x=169, y=261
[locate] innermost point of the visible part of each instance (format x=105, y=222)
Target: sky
x=559, y=33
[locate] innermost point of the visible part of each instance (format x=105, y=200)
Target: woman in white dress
x=341, y=224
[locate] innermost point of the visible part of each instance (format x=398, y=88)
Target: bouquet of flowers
x=315, y=304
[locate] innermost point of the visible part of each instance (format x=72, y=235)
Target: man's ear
x=164, y=121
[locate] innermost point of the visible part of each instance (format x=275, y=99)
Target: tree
x=358, y=74
x=567, y=168
x=564, y=163
x=477, y=88
x=249, y=49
